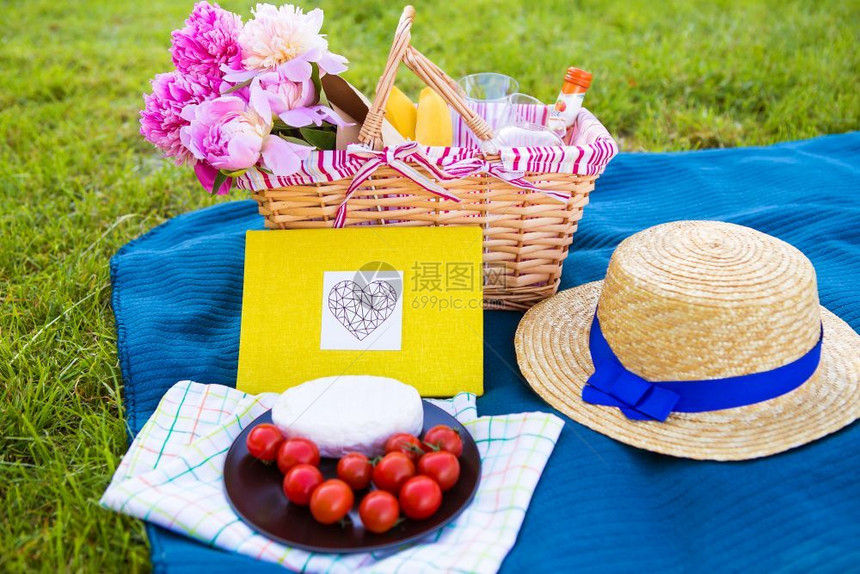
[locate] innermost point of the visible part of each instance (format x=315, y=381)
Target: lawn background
x=77, y=181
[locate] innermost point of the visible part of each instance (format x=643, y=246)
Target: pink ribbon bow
x=446, y=169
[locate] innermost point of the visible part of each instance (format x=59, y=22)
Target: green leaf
x=219, y=181
x=238, y=87
x=282, y=129
x=319, y=138
x=295, y=140
x=315, y=77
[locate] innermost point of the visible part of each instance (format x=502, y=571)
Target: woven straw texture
x=526, y=234
x=699, y=300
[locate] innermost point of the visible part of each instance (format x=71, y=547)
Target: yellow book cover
x=395, y=302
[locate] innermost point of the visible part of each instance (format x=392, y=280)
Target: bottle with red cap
x=569, y=101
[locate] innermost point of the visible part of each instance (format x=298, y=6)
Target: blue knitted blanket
x=601, y=505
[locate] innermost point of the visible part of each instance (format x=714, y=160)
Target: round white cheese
x=350, y=413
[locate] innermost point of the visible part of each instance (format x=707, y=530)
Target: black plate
x=255, y=493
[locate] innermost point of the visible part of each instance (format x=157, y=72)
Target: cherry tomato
x=442, y=466
x=420, y=497
x=297, y=451
x=263, y=442
x=392, y=471
x=300, y=482
x=407, y=444
x=355, y=470
x=444, y=437
x=379, y=511
x=331, y=501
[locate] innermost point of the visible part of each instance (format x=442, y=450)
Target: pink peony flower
x=209, y=41
x=226, y=134
x=295, y=103
x=161, y=118
x=284, y=38
x=206, y=175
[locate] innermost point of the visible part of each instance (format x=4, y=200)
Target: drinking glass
x=523, y=108
x=523, y=123
x=488, y=86
x=487, y=94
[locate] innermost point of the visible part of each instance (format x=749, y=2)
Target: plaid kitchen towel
x=172, y=476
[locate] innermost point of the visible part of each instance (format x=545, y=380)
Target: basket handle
x=428, y=72
x=372, y=128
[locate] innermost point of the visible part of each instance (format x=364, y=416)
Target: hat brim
x=552, y=352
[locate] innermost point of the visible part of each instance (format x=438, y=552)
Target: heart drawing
x=362, y=309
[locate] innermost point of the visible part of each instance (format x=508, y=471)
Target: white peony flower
x=277, y=35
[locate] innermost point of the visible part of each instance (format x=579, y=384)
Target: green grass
x=77, y=182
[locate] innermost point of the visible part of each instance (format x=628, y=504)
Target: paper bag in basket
x=352, y=106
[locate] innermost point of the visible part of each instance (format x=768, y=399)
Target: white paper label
x=361, y=311
x=567, y=107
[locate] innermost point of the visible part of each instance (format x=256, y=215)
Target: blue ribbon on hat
x=612, y=385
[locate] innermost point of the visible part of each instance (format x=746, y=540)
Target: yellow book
x=395, y=302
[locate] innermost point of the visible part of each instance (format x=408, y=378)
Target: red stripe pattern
x=589, y=150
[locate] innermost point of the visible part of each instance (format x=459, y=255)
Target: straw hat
x=697, y=301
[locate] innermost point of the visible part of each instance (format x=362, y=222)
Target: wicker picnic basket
x=527, y=231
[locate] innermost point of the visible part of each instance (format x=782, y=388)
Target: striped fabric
x=172, y=476
x=588, y=151
x=494, y=113
x=323, y=166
